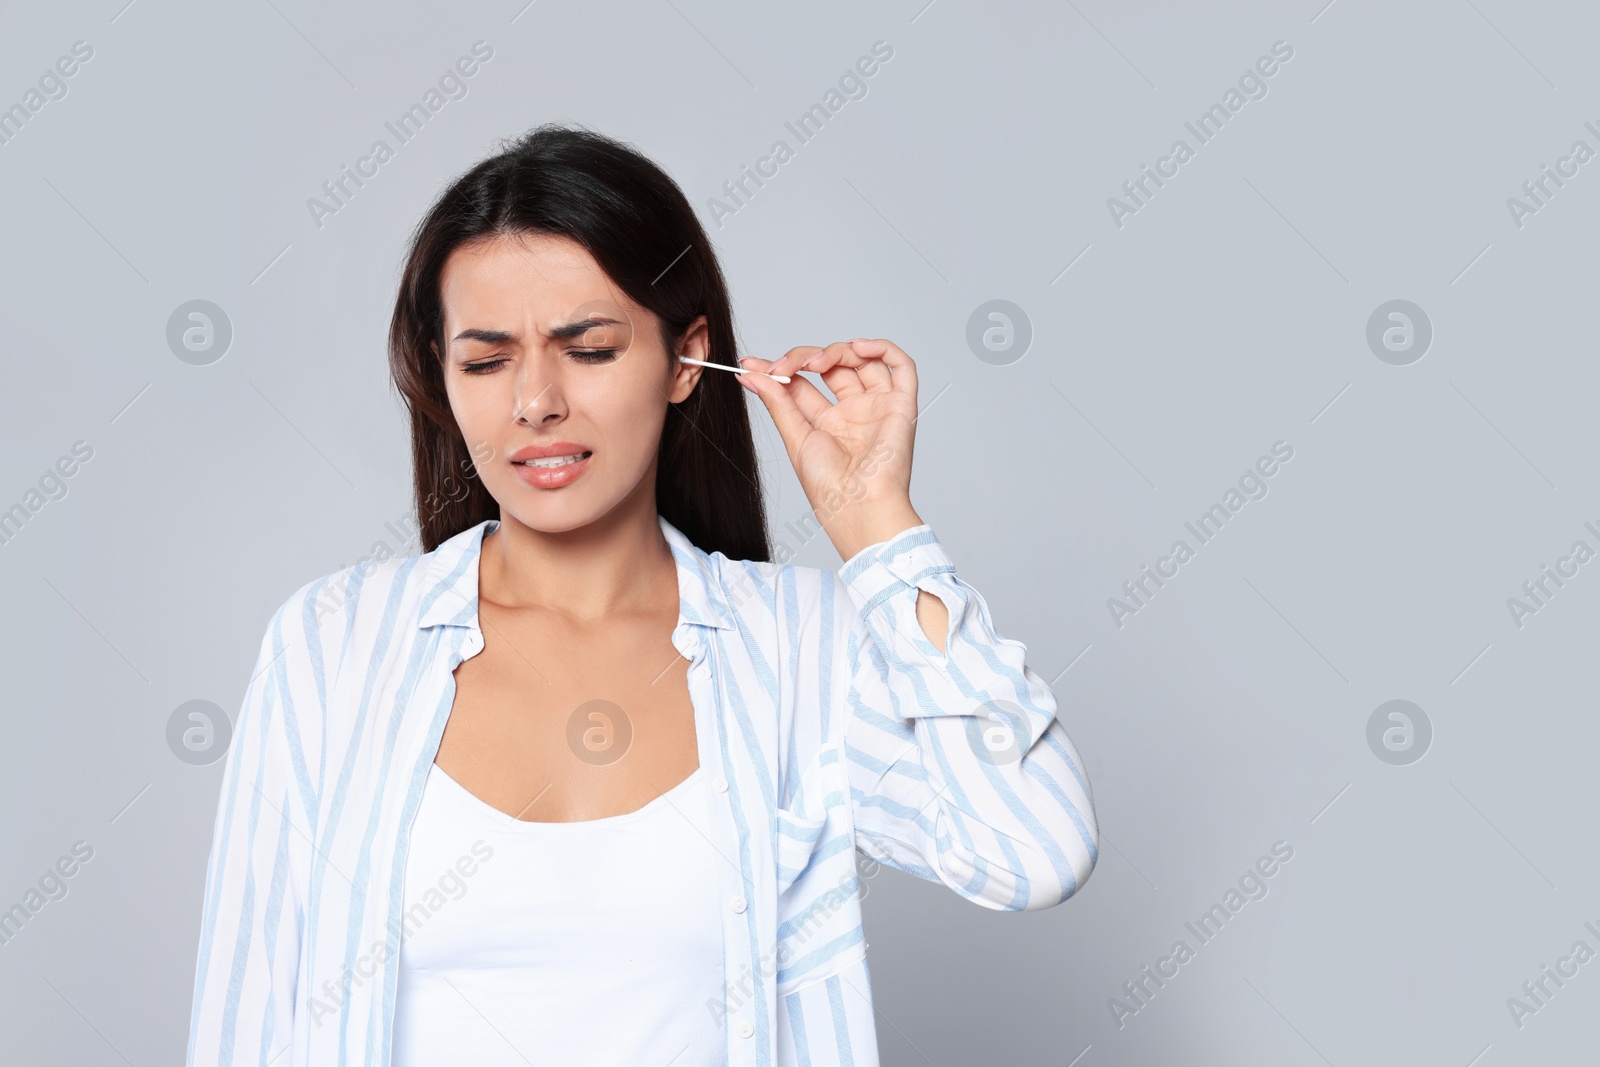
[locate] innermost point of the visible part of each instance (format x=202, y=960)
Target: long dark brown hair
x=635, y=221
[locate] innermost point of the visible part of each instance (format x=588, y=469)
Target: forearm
x=866, y=524
x=985, y=754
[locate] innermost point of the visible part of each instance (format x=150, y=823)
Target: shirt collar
x=450, y=592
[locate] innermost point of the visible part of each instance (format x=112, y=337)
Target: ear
x=696, y=344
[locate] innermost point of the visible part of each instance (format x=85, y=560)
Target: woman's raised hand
x=852, y=454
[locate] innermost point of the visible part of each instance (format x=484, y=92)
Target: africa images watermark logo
x=870, y=858
x=452, y=884
x=852, y=85
x=1252, y=886
x=52, y=485
x=1537, y=992
x=52, y=85
x=451, y=85
x=52, y=886
x=1538, y=591
x=1252, y=85
x=1539, y=191
x=1252, y=485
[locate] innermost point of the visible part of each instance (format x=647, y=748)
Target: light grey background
x=1229, y=313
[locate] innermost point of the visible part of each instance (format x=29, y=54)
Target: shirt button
x=720, y=784
x=746, y=1029
x=737, y=904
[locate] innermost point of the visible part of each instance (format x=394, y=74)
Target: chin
x=551, y=518
x=554, y=512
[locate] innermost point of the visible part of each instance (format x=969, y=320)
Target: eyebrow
x=555, y=333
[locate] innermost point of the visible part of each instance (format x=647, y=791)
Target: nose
x=537, y=398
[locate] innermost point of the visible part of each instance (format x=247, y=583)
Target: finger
x=901, y=368
x=791, y=360
x=811, y=358
x=848, y=374
x=811, y=400
x=844, y=382
x=839, y=369
x=860, y=358
x=814, y=359
x=869, y=362
x=793, y=426
x=874, y=374
x=764, y=366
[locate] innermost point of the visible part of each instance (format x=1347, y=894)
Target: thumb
x=793, y=426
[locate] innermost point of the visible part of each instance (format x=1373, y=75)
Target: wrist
x=864, y=524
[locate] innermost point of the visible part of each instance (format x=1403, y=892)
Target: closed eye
x=590, y=356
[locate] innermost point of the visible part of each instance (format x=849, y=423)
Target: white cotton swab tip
x=784, y=378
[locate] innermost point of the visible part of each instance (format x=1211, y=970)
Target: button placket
x=703, y=691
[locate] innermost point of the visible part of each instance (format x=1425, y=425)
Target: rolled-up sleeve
x=253, y=913
x=959, y=769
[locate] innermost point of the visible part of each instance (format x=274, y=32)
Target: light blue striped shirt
x=825, y=719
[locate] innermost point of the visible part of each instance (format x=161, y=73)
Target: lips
x=552, y=465
x=552, y=462
x=551, y=450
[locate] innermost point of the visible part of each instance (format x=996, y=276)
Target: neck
x=619, y=564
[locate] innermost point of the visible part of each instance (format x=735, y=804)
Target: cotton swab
x=784, y=378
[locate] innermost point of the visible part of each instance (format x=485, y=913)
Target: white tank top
x=560, y=944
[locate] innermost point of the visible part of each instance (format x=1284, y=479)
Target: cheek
x=476, y=402
x=625, y=412
x=482, y=410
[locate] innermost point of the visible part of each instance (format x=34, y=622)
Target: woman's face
x=559, y=382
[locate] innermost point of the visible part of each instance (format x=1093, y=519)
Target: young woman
x=584, y=783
